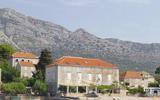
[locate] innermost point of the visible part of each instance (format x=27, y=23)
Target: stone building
x=23, y=56
x=79, y=73
x=135, y=78
x=26, y=69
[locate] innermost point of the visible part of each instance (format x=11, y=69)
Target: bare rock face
x=29, y=34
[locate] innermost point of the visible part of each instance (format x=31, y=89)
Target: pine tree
x=44, y=60
x=157, y=70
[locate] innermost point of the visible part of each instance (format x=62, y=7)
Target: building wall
x=79, y=76
x=139, y=82
x=134, y=82
x=84, y=76
x=51, y=78
x=26, y=71
x=14, y=62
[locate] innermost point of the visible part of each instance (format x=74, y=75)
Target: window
x=25, y=68
x=99, y=79
x=16, y=60
x=32, y=68
x=68, y=77
x=90, y=77
x=31, y=73
x=109, y=77
x=25, y=74
x=79, y=77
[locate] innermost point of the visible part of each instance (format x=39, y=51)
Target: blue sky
x=133, y=20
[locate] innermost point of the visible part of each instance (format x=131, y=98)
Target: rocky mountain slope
x=29, y=34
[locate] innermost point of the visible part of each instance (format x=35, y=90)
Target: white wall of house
x=26, y=71
x=80, y=76
x=70, y=75
x=139, y=82
x=14, y=61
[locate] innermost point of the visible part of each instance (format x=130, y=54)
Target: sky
x=133, y=20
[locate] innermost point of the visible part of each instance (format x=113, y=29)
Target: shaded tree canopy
x=6, y=51
x=38, y=75
x=44, y=60
x=39, y=87
x=157, y=70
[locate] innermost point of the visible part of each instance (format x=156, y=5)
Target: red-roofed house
x=26, y=69
x=80, y=72
x=23, y=56
x=135, y=78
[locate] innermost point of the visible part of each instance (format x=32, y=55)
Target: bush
x=25, y=81
x=8, y=72
x=39, y=87
x=153, y=84
x=134, y=91
x=104, y=88
x=13, y=88
x=157, y=78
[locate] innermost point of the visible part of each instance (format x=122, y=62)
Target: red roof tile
x=130, y=74
x=24, y=55
x=80, y=61
x=26, y=64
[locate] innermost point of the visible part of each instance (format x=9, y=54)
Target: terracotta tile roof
x=80, y=61
x=26, y=64
x=24, y=55
x=130, y=74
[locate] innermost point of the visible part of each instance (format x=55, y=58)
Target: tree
x=38, y=75
x=157, y=78
x=155, y=84
x=5, y=51
x=8, y=72
x=44, y=60
x=39, y=87
x=157, y=70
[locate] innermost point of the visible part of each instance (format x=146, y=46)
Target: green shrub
x=133, y=91
x=153, y=84
x=13, y=88
x=39, y=87
x=104, y=88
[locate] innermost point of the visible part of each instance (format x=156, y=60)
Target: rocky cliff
x=29, y=34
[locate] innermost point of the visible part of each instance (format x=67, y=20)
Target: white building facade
x=26, y=69
x=80, y=73
x=23, y=56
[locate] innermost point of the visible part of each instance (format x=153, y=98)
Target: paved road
x=123, y=98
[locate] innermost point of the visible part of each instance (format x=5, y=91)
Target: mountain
x=29, y=34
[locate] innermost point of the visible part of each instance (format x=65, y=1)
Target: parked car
x=91, y=94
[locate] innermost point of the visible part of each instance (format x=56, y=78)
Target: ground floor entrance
x=76, y=89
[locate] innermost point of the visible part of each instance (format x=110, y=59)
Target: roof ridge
x=72, y=60
x=24, y=55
